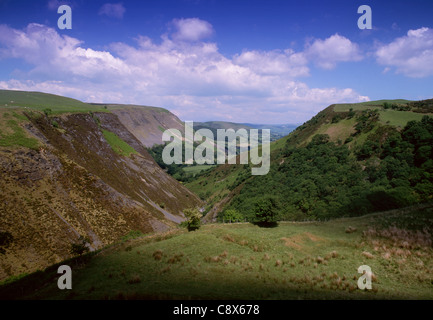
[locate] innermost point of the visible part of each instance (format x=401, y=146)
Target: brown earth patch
x=297, y=241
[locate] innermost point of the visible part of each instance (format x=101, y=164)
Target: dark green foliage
x=366, y=121
x=266, y=212
x=396, y=106
x=322, y=180
x=367, y=150
x=336, y=119
x=80, y=247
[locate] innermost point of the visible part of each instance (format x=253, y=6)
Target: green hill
x=347, y=160
x=41, y=101
x=242, y=261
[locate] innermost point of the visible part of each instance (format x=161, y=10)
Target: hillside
x=349, y=159
x=316, y=260
x=70, y=169
x=277, y=131
x=147, y=123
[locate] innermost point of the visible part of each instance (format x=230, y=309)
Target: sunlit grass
x=242, y=261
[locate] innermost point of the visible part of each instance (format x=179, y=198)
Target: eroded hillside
x=71, y=175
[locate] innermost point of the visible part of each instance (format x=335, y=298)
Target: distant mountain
x=277, y=131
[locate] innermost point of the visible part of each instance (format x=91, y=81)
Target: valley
x=351, y=186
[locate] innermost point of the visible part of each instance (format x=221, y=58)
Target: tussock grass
x=220, y=262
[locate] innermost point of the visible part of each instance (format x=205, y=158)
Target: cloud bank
x=184, y=73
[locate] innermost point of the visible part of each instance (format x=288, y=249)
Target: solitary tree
x=266, y=212
x=80, y=247
x=192, y=218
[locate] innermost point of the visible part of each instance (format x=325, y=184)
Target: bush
x=193, y=221
x=232, y=215
x=47, y=111
x=80, y=247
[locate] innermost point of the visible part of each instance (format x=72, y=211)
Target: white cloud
x=191, y=78
x=275, y=62
x=326, y=53
x=53, y=54
x=411, y=55
x=192, y=29
x=112, y=10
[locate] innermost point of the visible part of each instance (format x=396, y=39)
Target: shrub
x=47, y=111
x=192, y=218
x=80, y=247
x=232, y=215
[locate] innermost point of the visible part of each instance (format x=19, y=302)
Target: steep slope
x=347, y=160
x=147, y=123
x=76, y=174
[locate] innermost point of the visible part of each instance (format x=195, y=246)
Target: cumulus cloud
x=274, y=62
x=327, y=53
x=411, y=55
x=188, y=76
x=112, y=10
x=192, y=29
x=53, y=54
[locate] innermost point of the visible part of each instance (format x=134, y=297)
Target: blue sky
x=242, y=61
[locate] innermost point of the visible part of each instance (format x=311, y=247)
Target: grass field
x=40, y=101
x=345, y=107
x=316, y=260
x=399, y=118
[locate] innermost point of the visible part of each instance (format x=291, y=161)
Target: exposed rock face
x=75, y=184
x=147, y=124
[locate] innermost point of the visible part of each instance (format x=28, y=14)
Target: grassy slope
x=242, y=261
x=118, y=145
x=391, y=117
x=11, y=131
x=40, y=101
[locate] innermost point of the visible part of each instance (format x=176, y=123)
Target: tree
x=80, y=247
x=266, y=212
x=192, y=216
